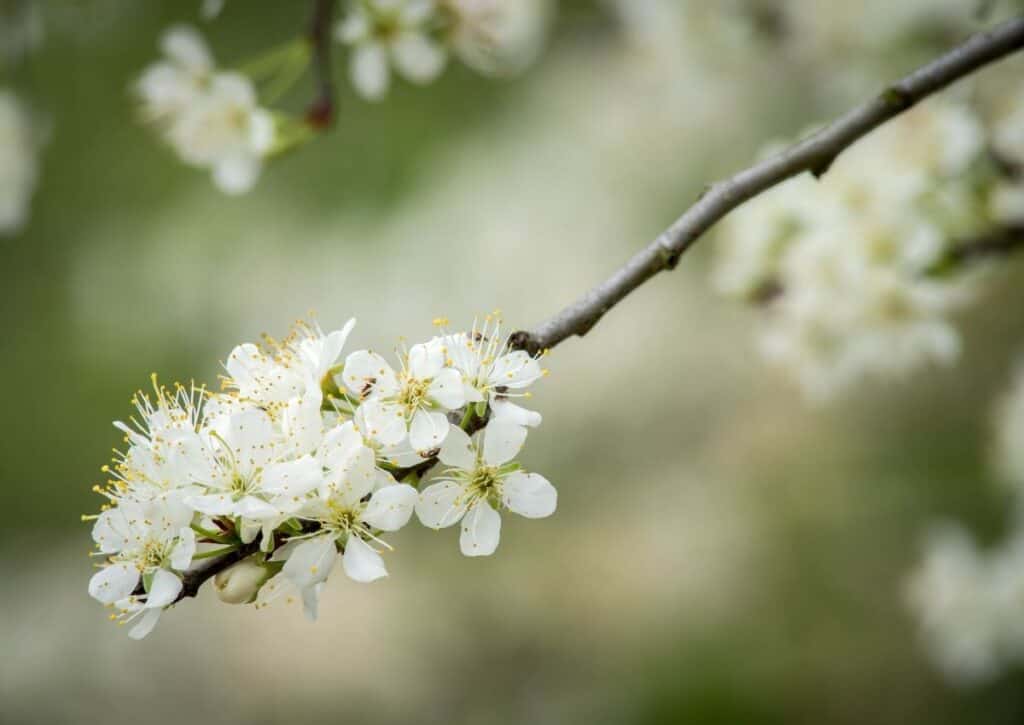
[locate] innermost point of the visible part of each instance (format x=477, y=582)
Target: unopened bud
x=239, y=583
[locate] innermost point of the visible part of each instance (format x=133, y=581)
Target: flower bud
x=239, y=583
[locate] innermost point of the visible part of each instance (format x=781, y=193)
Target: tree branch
x=320, y=113
x=814, y=153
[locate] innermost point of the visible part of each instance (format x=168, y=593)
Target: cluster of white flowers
x=970, y=603
x=19, y=166
x=414, y=37
x=210, y=117
x=213, y=118
x=851, y=270
x=303, y=460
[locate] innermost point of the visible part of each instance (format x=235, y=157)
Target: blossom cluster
x=305, y=459
x=968, y=601
x=215, y=119
x=853, y=270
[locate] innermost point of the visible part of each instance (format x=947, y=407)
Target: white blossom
x=19, y=167
x=386, y=33
x=411, y=401
x=211, y=118
x=479, y=481
x=496, y=37
x=491, y=372
x=845, y=266
x=970, y=604
x=151, y=543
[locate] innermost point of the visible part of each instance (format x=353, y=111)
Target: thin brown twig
x=321, y=111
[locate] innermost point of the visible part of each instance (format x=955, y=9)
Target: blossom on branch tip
x=478, y=482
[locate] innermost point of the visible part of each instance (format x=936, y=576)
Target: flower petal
x=529, y=494
x=113, y=582
x=428, y=430
x=163, y=589
x=367, y=373
x=439, y=505
x=447, y=389
x=481, y=530
x=145, y=624
x=425, y=360
x=361, y=562
x=457, y=450
x=390, y=508
x=504, y=409
x=368, y=71
x=418, y=58
x=502, y=441
x=311, y=561
x=292, y=478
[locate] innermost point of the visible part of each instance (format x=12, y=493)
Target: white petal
x=339, y=444
x=447, y=389
x=214, y=504
x=457, y=450
x=529, y=494
x=111, y=531
x=440, y=505
x=366, y=373
x=113, y=582
x=425, y=361
x=368, y=71
x=503, y=409
x=349, y=484
x=390, y=507
x=311, y=601
x=254, y=508
x=381, y=422
x=311, y=561
x=502, y=441
x=145, y=624
x=417, y=57
x=292, y=478
x=250, y=435
x=186, y=47
x=481, y=529
x=355, y=27
x=361, y=562
x=303, y=422
x=237, y=173
x=184, y=550
x=428, y=430
x=515, y=370
x=163, y=589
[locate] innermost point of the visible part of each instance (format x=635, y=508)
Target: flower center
x=413, y=395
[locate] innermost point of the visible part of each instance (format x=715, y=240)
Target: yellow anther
x=440, y=322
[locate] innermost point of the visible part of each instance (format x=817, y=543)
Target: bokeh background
x=722, y=552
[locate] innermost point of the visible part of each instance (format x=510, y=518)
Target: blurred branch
x=997, y=243
x=814, y=153
x=320, y=113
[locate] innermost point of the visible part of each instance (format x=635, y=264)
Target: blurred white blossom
x=970, y=604
x=496, y=37
x=19, y=165
x=386, y=33
x=211, y=118
x=845, y=265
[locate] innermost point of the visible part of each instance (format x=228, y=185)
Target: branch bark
x=815, y=154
